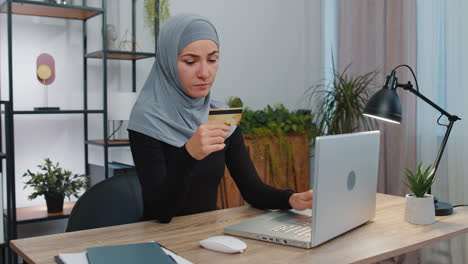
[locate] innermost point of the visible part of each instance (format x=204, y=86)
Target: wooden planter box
x=273, y=165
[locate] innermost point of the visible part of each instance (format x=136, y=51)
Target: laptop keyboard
x=300, y=229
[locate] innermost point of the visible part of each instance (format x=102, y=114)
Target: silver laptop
x=345, y=186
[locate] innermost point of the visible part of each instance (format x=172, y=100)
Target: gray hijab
x=163, y=111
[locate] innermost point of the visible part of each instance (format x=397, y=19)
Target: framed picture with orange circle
x=45, y=71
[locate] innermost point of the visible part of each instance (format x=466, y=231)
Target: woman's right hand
x=207, y=139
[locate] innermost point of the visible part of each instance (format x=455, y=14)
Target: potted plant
x=151, y=15
x=54, y=183
x=338, y=104
x=419, y=207
x=278, y=141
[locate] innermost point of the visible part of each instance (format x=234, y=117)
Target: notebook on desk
x=148, y=252
x=345, y=186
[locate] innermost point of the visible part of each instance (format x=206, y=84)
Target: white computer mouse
x=225, y=244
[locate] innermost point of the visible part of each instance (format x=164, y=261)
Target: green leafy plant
x=151, y=15
x=339, y=103
x=271, y=127
x=234, y=101
x=275, y=120
x=55, y=181
x=420, y=181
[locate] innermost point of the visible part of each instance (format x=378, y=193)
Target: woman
x=179, y=158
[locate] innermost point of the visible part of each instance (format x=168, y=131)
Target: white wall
x=269, y=49
x=330, y=36
x=270, y=53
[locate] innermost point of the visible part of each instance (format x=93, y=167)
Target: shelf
x=39, y=213
x=35, y=8
x=2, y=155
x=32, y=112
x=120, y=55
x=113, y=143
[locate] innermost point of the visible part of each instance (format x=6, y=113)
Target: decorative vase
x=54, y=202
x=111, y=35
x=420, y=210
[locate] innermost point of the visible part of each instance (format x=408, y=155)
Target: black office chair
x=114, y=201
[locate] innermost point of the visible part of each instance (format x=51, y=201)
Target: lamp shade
x=384, y=105
x=120, y=105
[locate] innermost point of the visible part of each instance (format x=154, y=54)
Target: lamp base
x=442, y=208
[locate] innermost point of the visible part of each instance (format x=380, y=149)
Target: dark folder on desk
x=148, y=252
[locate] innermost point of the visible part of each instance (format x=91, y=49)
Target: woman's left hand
x=302, y=201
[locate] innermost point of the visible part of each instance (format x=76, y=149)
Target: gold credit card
x=227, y=116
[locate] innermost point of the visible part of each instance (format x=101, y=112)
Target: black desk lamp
x=385, y=105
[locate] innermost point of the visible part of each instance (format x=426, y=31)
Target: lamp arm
x=442, y=147
x=409, y=87
x=452, y=118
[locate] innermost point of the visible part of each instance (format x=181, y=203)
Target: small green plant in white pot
x=419, y=208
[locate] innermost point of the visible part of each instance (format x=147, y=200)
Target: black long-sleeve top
x=173, y=183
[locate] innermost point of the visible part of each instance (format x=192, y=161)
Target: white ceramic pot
x=420, y=210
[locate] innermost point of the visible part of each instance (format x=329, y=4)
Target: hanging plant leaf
x=151, y=15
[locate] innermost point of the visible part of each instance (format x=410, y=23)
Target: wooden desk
x=386, y=236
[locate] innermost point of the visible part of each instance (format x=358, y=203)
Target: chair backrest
x=115, y=201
